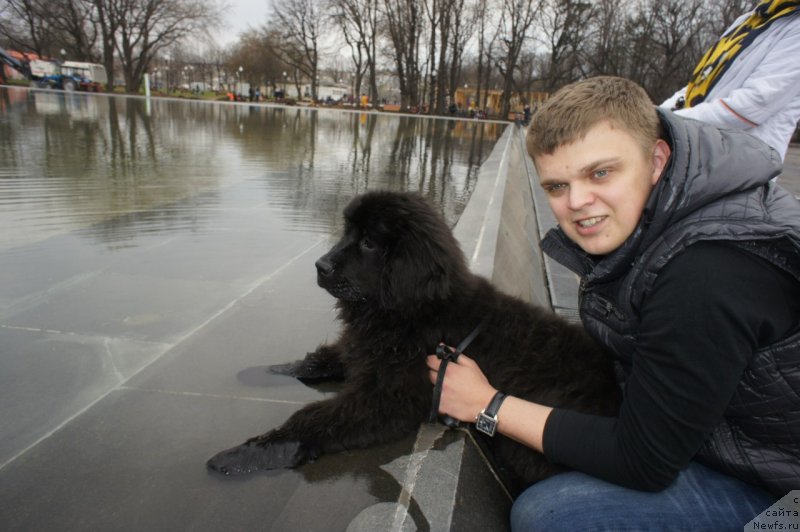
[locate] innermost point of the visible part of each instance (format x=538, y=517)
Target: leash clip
x=446, y=355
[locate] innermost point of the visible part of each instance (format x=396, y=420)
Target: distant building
x=492, y=100
x=325, y=90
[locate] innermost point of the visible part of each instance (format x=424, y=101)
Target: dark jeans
x=699, y=499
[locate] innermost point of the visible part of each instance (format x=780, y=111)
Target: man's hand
x=465, y=390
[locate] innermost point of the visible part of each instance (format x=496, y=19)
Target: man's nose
x=579, y=196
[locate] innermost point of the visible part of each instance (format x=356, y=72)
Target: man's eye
x=603, y=172
x=555, y=188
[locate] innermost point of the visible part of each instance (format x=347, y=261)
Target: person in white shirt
x=750, y=79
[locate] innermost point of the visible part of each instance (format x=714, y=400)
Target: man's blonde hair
x=569, y=114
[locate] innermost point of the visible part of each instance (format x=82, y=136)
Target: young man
x=690, y=273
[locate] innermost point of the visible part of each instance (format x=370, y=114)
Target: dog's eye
x=366, y=244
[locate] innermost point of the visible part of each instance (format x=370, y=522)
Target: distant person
x=750, y=79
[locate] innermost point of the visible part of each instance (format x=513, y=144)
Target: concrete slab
x=134, y=462
x=135, y=459
x=48, y=376
x=150, y=309
x=225, y=359
x=790, y=177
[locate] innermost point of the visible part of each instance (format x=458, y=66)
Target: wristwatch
x=486, y=421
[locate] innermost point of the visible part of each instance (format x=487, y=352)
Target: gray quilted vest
x=716, y=187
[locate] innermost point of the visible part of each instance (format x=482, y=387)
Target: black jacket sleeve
x=711, y=308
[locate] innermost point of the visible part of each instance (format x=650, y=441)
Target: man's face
x=598, y=185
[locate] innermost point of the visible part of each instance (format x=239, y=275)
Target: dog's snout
x=324, y=267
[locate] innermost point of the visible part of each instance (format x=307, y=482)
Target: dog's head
x=396, y=252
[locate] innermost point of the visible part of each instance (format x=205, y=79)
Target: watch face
x=486, y=424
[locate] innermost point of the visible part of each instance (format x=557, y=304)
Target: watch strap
x=494, y=404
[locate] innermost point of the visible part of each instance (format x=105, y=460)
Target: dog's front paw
x=290, y=369
x=308, y=370
x=257, y=456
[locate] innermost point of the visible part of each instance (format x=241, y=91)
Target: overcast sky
x=240, y=15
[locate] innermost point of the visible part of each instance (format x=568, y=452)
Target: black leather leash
x=446, y=356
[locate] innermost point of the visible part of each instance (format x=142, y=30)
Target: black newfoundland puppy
x=403, y=286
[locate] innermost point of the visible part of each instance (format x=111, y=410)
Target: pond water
x=154, y=258
x=113, y=168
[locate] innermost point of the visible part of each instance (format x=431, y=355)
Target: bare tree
x=530, y=66
x=358, y=21
x=564, y=27
x=348, y=17
x=372, y=18
x=403, y=25
x=146, y=27
x=299, y=23
x=433, y=13
x=518, y=17
x=667, y=39
x=217, y=60
x=488, y=33
x=47, y=27
x=607, y=40
x=75, y=28
x=24, y=25
x=258, y=67
x=462, y=26
x=448, y=57
x=107, y=20
x=723, y=13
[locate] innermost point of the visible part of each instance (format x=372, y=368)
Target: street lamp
x=166, y=72
x=284, y=85
x=188, y=72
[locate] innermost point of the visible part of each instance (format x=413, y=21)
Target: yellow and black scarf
x=720, y=56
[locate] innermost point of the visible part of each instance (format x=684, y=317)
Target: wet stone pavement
x=153, y=262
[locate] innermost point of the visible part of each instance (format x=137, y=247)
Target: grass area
x=18, y=82
x=177, y=93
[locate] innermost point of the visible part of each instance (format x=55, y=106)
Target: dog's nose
x=324, y=267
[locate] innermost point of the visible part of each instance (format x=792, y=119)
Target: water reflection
x=115, y=169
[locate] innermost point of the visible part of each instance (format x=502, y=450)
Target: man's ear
x=661, y=154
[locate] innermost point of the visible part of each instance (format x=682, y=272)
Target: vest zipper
x=607, y=306
x=610, y=309
x=581, y=291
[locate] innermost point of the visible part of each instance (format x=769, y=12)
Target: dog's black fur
x=402, y=286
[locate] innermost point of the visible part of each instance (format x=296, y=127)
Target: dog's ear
x=423, y=266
